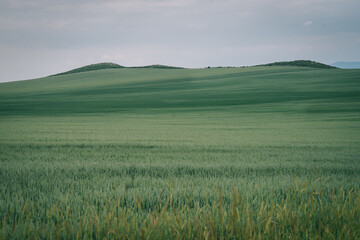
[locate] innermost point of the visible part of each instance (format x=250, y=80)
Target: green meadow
x=267, y=152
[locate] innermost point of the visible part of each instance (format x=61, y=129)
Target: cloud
x=307, y=23
x=173, y=32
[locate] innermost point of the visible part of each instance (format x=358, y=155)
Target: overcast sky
x=43, y=37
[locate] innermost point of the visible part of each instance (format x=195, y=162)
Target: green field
x=268, y=152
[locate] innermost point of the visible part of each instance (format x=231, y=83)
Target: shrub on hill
x=91, y=67
x=159, y=66
x=301, y=63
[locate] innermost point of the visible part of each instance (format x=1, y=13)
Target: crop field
x=269, y=152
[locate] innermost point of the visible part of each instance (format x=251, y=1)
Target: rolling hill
x=117, y=89
x=109, y=65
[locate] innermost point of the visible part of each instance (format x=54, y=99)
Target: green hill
x=284, y=88
x=108, y=65
x=301, y=63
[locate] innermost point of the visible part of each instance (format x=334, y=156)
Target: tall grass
x=192, y=176
x=304, y=211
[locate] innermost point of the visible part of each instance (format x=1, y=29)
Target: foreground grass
x=305, y=211
x=193, y=175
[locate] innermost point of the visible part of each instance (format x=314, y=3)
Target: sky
x=43, y=37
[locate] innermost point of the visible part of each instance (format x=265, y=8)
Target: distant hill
x=348, y=65
x=301, y=63
x=108, y=65
x=146, y=89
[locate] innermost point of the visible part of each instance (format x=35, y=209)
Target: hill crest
x=109, y=65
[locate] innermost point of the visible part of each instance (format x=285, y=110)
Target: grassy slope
x=145, y=129
x=139, y=90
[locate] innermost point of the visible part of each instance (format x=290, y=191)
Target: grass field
x=269, y=152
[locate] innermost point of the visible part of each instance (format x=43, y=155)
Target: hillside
x=151, y=89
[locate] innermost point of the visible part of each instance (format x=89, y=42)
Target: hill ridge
x=110, y=65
